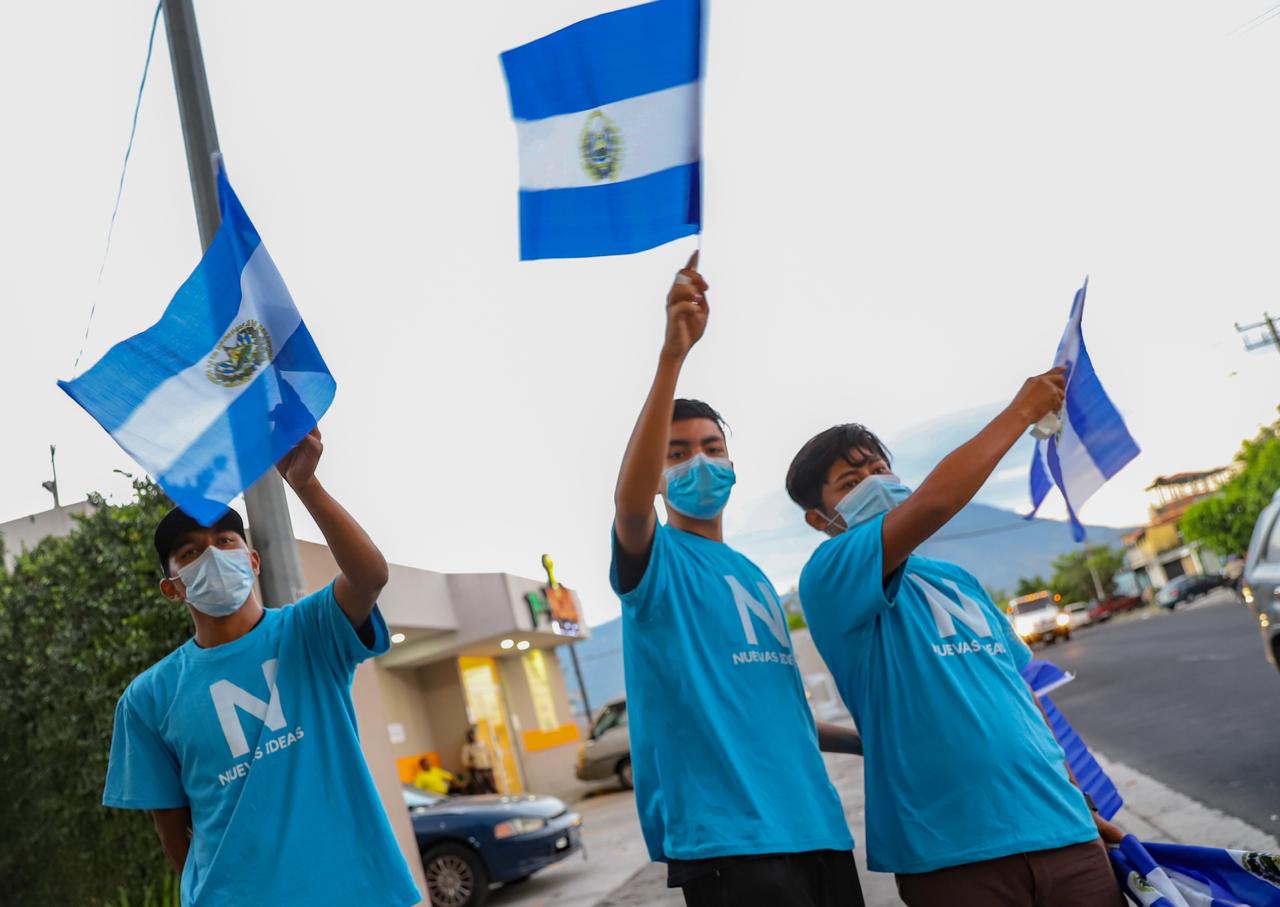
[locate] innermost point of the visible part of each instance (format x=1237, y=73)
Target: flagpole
x=269, y=521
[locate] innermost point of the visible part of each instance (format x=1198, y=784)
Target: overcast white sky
x=902, y=199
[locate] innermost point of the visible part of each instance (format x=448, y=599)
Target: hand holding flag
x=1092, y=444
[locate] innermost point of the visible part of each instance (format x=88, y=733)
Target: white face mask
x=218, y=582
x=871, y=497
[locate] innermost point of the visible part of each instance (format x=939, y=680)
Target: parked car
x=1077, y=615
x=1037, y=618
x=607, y=749
x=1116, y=604
x=1183, y=589
x=467, y=843
x=1261, y=586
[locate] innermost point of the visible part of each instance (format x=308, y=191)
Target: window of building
x=544, y=702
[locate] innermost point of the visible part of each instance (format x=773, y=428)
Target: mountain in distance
x=997, y=546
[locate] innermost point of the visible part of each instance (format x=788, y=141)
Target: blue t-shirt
x=258, y=737
x=724, y=750
x=960, y=765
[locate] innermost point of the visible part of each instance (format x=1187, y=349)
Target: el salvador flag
x=1176, y=875
x=608, y=117
x=1093, y=443
x=220, y=388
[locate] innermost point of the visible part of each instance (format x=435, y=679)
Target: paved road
x=1187, y=698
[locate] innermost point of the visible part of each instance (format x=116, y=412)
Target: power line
x=1268, y=322
x=1257, y=20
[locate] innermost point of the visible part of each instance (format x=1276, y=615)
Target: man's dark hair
x=177, y=523
x=808, y=472
x=696, y=409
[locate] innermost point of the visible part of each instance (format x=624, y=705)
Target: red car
x=1116, y=604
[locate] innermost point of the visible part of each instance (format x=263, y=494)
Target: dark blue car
x=467, y=843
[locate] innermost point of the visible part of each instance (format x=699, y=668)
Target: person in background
x=434, y=778
x=478, y=762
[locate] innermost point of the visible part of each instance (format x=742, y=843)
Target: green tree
x=1073, y=572
x=1224, y=522
x=1030, y=586
x=80, y=617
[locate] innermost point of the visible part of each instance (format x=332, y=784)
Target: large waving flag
x=226, y=382
x=1175, y=875
x=608, y=115
x=1093, y=443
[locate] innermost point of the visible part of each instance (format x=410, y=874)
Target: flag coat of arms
x=1093, y=443
x=226, y=383
x=608, y=118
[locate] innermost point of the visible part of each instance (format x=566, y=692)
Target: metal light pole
x=281, y=578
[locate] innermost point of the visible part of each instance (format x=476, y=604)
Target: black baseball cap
x=177, y=523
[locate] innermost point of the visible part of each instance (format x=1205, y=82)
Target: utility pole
x=1269, y=323
x=281, y=577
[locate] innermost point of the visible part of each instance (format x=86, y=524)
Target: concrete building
x=1157, y=552
x=473, y=649
x=26, y=532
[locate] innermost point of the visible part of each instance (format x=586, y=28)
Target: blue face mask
x=871, y=497
x=218, y=582
x=699, y=487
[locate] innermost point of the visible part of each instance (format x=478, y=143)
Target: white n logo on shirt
x=967, y=611
x=770, y=612
x=227, y=697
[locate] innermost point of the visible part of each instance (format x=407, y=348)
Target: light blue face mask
x=699, y=487
x=871, y=497
x=218, y=582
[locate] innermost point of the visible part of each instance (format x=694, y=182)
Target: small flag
x=1176, y=875
x=226, y=382
x=608, y=116
x=1093, y=443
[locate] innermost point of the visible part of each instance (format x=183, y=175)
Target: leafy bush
x=1224, y=522
x=80, y=617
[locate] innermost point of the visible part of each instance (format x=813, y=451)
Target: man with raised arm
x=730, y=786
x=242, y=742
x=969, y=799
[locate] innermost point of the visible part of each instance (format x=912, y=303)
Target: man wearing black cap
x=242, y=742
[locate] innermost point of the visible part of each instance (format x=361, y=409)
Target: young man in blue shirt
x=969, y=799
x=242, y=742
x=730, y=786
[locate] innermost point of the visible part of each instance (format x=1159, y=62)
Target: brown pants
x=1075, y=876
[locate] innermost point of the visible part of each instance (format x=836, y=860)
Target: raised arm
x=364, y=569
x=634, y=518
x=955, y=480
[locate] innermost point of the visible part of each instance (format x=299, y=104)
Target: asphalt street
x=1186, y=697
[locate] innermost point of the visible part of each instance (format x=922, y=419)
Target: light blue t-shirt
x=258, y=737
x=724, y=750
x=960, y=765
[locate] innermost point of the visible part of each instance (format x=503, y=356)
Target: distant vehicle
x=1183, y=589
x=1116, y=604
x=1037, y=618
x=1077, y=615
x=467, y=843
x=1261, y=584
x=607, y=749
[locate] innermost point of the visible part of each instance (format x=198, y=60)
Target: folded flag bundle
x=1175, y=875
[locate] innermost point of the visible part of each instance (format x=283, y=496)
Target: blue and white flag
x=220, y=388
x=1093, y=443
x=1175, y=875
x=1043, y=677
x=608, y=115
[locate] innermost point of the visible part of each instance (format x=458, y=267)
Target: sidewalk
x=1152, y=811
